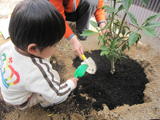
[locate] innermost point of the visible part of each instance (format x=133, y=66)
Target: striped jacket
x=71, y=6
x=23, y=75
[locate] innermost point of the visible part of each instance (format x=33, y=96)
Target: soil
x=133, y=92
x=126, y=86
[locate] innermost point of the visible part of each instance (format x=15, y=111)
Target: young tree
x=120, y=37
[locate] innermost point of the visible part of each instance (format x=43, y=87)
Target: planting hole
x=125, y=86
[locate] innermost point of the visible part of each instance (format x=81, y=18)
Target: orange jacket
x=71, y=6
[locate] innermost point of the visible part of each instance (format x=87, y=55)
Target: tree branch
x=112, y=19
x=121, y=25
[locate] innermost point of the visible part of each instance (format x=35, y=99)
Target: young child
x=36, y=27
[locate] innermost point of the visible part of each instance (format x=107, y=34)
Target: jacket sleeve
x=42, y=80
x=58, y=92
x=100, y=14
x=59, y=5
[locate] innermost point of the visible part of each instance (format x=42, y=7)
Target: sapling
x=120, y=37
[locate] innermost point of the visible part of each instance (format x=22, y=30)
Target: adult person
x=81, y=12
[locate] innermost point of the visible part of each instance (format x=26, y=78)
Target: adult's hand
x=102, y=25
x=77, y=47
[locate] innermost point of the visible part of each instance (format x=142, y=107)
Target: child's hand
x=74, y=81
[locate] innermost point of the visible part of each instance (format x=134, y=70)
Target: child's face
x=47, y=52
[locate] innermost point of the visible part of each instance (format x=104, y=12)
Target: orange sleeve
x=100, y=14
x=59, y=5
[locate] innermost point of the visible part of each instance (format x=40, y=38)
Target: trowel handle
x=83, y=57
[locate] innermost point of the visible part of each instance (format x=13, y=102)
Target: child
x=35, y=29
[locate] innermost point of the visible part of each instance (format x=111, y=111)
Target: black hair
x=36, y=21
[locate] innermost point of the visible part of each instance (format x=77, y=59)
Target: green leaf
x=127, y=3
x=118, y=1
x=103, y=7
x=139, y=35
x=100, y=37
x=132, y=38
x=108, y=34
x=104, y=41
x=128, y=32
x=94, y=24
x=116, y=14
x=128, y=47
x=120, y=8
x=103, y=48
x=125, y=26
x=120, y=60
x=149, y=19
x=109, y=40
x=124, y=47
x=98, y=42
x=117, y=22
x=113, y=44
x=119, y=51
x=152, y=24
x=121, y=38
x=145, y=2
x=110, y=56
x=115, y=53
x=149, y=32
x=115, y=60
x=87, y=33
x=104, y=53
x=115, y=27
x=123, y=31
x=110, y=9
x=132, y=17
x=124, y=57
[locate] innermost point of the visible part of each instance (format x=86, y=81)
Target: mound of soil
x=126, y=86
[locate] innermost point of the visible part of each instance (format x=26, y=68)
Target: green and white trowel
x=88, y=65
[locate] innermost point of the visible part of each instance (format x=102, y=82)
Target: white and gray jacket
x=23, y=75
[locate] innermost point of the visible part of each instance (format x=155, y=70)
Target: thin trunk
x=112, y=66
x=112, y=20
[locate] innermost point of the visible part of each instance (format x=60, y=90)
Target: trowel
x=91, y=64
x=88, y=65
x=80, y=71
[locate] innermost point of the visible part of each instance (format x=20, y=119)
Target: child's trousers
x=36, y=98
x=82, y=15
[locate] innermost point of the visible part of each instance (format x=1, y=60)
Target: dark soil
x=82, y=106
x=126, y=86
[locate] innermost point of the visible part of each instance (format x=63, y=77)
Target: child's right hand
x=74, y=81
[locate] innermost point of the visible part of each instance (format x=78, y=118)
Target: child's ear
x=32, y=49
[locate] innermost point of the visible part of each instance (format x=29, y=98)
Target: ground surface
x=76, y=107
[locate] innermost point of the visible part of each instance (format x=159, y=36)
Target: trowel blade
x=91, y=65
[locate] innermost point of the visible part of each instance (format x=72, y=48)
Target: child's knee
x=47, y=104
